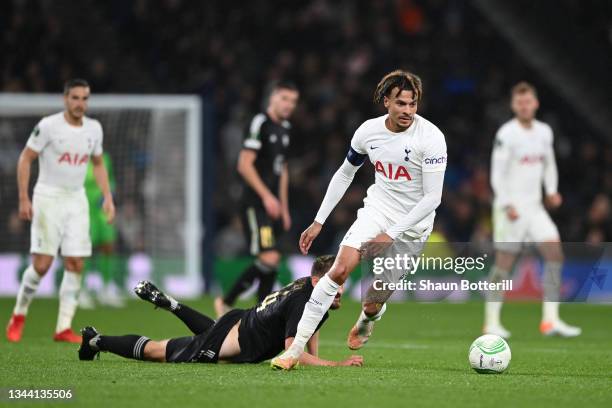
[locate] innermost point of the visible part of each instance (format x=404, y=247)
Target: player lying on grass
x=240, y=336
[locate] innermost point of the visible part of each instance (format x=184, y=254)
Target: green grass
x=417, y=357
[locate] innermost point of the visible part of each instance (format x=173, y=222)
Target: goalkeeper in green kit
x=103, y=237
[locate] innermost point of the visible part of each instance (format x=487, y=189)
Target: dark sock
x=128, y=346
x=196, y=321
x=266, y=284
x=243, y=283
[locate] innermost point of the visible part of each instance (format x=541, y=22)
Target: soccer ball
x=489, y=354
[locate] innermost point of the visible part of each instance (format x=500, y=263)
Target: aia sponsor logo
x=73, y=159
x=392, y=172
x=532, y=159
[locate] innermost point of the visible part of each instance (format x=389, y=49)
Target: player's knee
x=339, y=273
x=271, y=258
x=74, y=264
x=155, y=351
x=42, y=264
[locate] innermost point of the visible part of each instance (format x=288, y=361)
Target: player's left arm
x=101, y=175
x=551, y=176
x=433, y=166
x=309, y=359
x=283, y=194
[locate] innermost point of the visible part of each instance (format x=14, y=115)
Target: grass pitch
x=417, y=358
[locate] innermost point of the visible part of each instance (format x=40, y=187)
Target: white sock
x=550, y=311
x=68, y=300
x=551, y=281
x=320, y=300
x=364, y=319
x=27, y=289
x=493, y=313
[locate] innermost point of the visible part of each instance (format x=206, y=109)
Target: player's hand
x=272, y=206
x=308, y=236
x=352, y=361
x=376, y=246
x=109, y=209
x=25, y=209
x=553, y=201
x=286, y=220
x=511, y=213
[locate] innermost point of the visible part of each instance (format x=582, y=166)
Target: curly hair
x=404, y=80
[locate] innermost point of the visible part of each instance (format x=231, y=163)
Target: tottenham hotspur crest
x=407, y=153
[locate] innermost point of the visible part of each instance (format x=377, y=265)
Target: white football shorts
x=60, y=220
x=533, y=225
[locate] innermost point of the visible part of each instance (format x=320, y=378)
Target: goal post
x=154, y=142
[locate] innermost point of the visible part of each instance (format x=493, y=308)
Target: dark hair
x=404, y=80
x=73, y=83
x=284, y=84
x=523, y=87
x=321, y=265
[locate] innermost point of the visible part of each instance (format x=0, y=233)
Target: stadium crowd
x=335, y=51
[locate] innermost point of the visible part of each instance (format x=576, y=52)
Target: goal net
x=153, y=143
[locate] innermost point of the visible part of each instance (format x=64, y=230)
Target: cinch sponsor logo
x=535, y=159
x=435, y=160
x=73, y=159
x=391, y=172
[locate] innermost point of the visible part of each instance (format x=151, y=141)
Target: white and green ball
x=489, y=354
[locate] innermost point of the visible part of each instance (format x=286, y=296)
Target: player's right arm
x=38, y=140
x=500, y=162
x=246, y=167
x=24, y=166
x=335, y=191
x=309, y=359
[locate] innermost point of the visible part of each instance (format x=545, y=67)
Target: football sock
x=364, y=318
x=551, y=281
x=196, y=321
x=128, y=346
x=320, y=300
x=243, y=283
x=551, y=285
x=27, y=289
x=68, y=300
x=494, y=298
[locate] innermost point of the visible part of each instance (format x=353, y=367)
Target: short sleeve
x=98, y=150
x=357, y=142
x=253, y=135
x=434, y=153
x=40, y=137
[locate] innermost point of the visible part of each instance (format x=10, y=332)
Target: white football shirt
x=399, y=161
x=64, y=151
x=523, y=159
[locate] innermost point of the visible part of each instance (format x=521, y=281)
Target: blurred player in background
x=263, y=166
x=523, y=160
x=103, y=237
x=409, y=157
x=63, y=144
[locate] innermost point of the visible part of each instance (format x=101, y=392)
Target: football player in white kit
x=63, y=144
x=409, y=157
x=523, y=161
